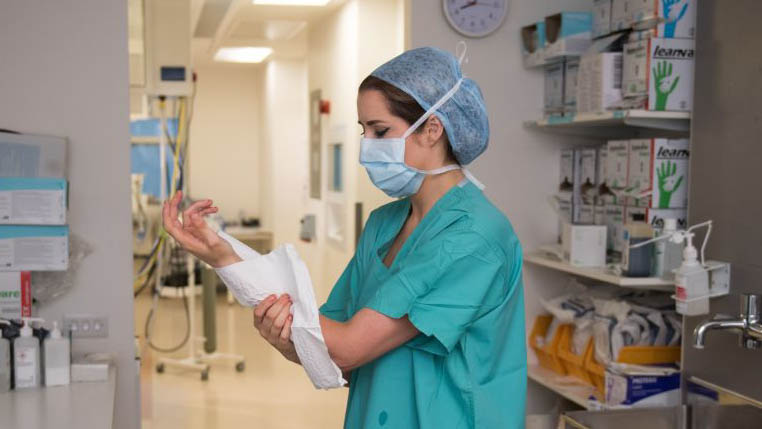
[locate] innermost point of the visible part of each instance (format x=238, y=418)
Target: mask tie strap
x=473, y=179
x=433, y=109
x=460, y=52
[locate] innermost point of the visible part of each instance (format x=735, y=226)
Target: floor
x=271, y=393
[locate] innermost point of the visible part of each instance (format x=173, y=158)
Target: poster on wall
x=314, y=155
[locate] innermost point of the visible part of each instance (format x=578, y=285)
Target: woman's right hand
x=272, y=318
x=194, y=235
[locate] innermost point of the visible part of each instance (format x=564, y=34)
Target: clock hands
x=476, y=3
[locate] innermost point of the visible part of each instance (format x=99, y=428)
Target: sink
x=690, y=417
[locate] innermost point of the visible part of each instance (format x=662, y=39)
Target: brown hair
x=400, y=103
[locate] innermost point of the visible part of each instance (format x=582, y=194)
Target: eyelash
x=379, y=134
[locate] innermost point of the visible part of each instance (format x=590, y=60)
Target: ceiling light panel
x=243, y=54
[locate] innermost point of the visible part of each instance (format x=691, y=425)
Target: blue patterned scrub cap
x=427, y=74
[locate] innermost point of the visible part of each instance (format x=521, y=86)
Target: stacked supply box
x=658, y=74
x=599, y=85
x=567, y=34
x=571, y=74
x=533, y=44
x=32, y=201
x=601, y=18
x=620, y=18
x=15, y=295
x=554, y=88
x=669, y=18
x=658, y=173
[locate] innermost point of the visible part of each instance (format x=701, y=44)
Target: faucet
x=748, y=326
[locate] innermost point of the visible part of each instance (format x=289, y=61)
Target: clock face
x=475, y=18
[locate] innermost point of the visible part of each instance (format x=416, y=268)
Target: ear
x=433, y=129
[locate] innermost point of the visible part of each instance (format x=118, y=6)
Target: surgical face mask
x=384, y=159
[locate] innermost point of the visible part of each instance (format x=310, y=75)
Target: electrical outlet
x=86, y=325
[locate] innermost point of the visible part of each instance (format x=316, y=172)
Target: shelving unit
x=601, y=274
x=616, y=124
x=567, y=387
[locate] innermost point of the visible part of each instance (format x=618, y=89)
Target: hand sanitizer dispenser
x=57, y=358
x=26, y=358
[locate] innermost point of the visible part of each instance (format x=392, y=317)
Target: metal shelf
x=602, y=274
x=617, y=124
x=568, y=387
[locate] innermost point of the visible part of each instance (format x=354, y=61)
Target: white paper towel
x=282, y=271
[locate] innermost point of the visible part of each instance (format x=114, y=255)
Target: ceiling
x=218, y=23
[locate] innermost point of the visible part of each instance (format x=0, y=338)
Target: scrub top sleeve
x=443, y=299
x=336, y=306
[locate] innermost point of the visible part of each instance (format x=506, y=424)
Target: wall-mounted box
x=34, y=248
x=15, y=294
x=533, y=44
x=25, y=155
x=568, y=34
x=32, y=201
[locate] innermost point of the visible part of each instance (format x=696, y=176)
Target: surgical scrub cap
x=426, y=74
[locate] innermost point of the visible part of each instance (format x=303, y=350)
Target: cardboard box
x=588, y=177
x=617, y=162
x=584, y=245
x=603, y=195
x=32, y=201
x=586, y=215
x=533, y=44
x=601, y=17
x=554, y=88
x=34, y=248
x=568, y=34
x=640, y=386
x=26, y=155
x=661, y=71
x=599, y=217
x=600, y=82
x=670, y=18
x=569, y=187
x=15, y=294
x=614, y=225
x=571, y=74
x=620, y=18
x=658, y=173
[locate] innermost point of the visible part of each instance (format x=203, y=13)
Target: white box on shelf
x=26, y=155
x=670, y=18
x=571, y=74
x=15, y=294
x=617, y=161
x=600, y=81
x=641, y=386
x=614, y=225
x=533, y=44
x=663, y=77
x=568, y=34
x=554, y=88
x=34, y=248
x=584, y=245
x=32, y=201
x=658, y=173
x=588, y=177
x=601, y=17
x=620, y=19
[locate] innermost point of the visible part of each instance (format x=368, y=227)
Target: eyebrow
x=372, y=122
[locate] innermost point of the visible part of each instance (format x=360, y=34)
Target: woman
x=427, y=320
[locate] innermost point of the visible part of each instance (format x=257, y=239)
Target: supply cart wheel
x=205, y=375
x=240, y=366
x=160, y=368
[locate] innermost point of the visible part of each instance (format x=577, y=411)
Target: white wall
x=520, y=167
x=64, y=72
x=225, y=139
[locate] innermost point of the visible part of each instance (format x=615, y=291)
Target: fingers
x=285, y=333
x=272, y=313
x=261, y=309
x=280, y=321
x=193, y=208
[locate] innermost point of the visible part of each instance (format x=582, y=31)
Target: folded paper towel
x=282, y=271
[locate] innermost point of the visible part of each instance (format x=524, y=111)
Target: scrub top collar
x=447, y=205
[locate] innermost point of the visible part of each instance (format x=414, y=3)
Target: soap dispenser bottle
x=26, y=358
x=57, y=358
x=691, y=282
x=5, y=361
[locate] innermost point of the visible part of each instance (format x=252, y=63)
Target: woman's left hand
x=272, y=318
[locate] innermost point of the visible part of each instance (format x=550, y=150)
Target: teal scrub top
x=458, y=278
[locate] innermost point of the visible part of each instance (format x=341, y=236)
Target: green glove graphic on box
x=669, y=182
x=663, y=83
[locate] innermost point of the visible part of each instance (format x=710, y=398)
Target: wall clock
x=475, y=18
